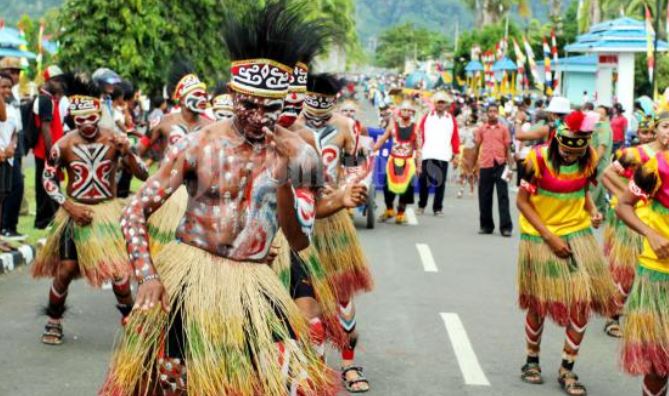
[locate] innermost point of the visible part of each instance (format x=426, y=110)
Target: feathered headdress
x=266, y=44
x=84, y=94
x=183, y=80
x=573, y=133
x=322, y=90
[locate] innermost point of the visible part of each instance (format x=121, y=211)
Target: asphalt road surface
x=443, y=320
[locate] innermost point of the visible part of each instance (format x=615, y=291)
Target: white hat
x=441, y=97
x=559, y=105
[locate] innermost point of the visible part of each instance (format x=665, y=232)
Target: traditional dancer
x=191, y=94
x=311, y=202
x=227, y=325
x=86, y=239
x=561, y=271
x=221, y=103
x=403, y=162
x=335, y=260
x=622, y=245
x=349, y=108
x=646, y=328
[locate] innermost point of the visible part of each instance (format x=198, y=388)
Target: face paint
x=196, y=101
x=292, y=106
x=253, y=113
x=570, y=155
x=348, y=112
x=87, y=125
x=317, y=121
x=223, y=114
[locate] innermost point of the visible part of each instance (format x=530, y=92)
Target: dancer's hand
x=659, y=244
x=272, y=254
x=596, y=217
x=558, y=246
x=355, y=195
x=150, y=294
x=79, y=213
x=122, y=143
x=280, y=151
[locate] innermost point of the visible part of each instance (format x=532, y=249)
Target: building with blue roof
x=614, y=43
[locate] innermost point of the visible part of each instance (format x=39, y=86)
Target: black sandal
x=612, y=329
x=532, y=374
x=53, y=334
x=569, y=382
x=348, y=384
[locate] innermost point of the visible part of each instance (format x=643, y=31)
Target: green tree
x=126, y=36
x=398, y=42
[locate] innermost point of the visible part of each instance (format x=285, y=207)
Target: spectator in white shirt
x=8, y=139
x=441, y=144
x=11, y=207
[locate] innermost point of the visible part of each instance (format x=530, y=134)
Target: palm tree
x=492, y=11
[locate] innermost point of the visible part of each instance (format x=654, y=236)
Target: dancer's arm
x=644, y=185
x=131, y=161
x=153, y=194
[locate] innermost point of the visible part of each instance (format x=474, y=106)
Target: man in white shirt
x=12, y=205
x=8, y=139
x=441, y=145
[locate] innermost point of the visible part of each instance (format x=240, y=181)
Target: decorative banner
x=650, y=46
x=40, y=49
x=548, y=81
x=554, y=51
x=520, y=62
x=531, y=62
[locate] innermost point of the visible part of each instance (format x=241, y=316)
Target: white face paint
x=196, y=101
x=87, y=124
x=317, y=121
x=221, y=114
x=254, y=113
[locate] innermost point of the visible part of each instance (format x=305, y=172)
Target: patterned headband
x=260, y=77
x=574, y=140
x=319, y=103
x=298, y=81
x=187, y=84
x=223, y=101
x=84, y=105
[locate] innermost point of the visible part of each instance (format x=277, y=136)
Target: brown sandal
x=532, y=374
x=53, y=334
x=569, y=382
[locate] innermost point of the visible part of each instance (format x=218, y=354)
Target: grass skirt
x=162, y=224
x=326, y=295
x=281, y=264
x=622, y=247
x=340, y=255
x=646, y=327
x=560, y=288
x=101, y=250
x=232, y=314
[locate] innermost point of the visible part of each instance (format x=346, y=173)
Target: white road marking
x=426, y=258
x=411, y=217
x=467, y=360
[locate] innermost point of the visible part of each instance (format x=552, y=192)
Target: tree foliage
x=398, y=42
x=141, y=38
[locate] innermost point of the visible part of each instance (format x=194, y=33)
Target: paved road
x=405, y=345
x=406, y=348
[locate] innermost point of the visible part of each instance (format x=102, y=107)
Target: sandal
x=612, y=329
x=532, y=374
x=350, y=383
x=569, y=382
x=53, y=333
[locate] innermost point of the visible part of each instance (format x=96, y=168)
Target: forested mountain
x=13, y=9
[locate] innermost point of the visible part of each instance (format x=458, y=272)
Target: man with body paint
x=208, y=301
x=85, y=238
x=341, y=267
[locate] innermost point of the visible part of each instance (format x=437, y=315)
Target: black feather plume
x=279, y=31
x=179, y=69
x=80, y=83
x=220, y=89
x=324, y=83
